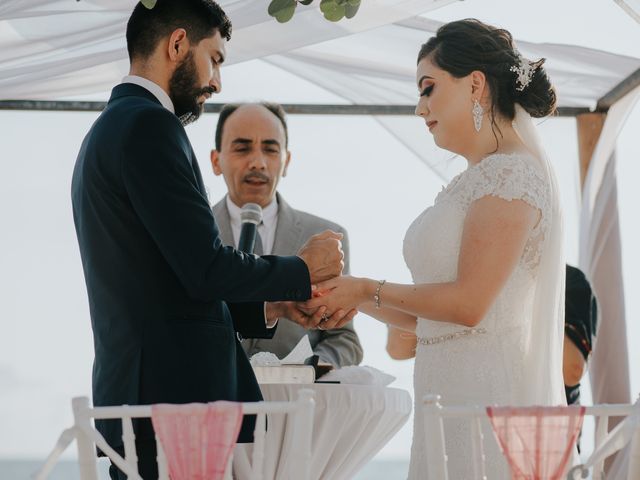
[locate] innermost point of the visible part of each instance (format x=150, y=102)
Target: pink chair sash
x=197, y=438
x=538, y=442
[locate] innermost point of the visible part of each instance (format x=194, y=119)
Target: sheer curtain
x=61, y=48
x=601, y=260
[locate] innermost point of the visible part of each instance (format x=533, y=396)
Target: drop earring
x=478, y=112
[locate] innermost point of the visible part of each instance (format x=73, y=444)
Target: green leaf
x=325, y=3
x=305, y=2
x=282, y=10
x=332, y=10
x=351, y=9
x=149, y=3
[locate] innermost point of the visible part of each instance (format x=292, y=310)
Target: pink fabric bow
x=537, y=441
x=197, y=438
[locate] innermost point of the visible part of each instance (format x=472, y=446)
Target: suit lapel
x=288, y=230
x=130, y=89
x=221, y=214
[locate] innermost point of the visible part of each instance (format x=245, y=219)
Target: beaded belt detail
x=451, y=336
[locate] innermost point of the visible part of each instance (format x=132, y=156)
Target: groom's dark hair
x=200, y=19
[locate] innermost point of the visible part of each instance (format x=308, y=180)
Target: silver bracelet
x=376, y=297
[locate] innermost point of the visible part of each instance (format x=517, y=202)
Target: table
x=351, y=424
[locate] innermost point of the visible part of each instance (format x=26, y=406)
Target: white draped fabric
x=351, y=424
x=601, y=260
x=58, y=48
x=62, y=48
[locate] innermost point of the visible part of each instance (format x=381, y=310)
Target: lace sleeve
x=509, y=177
x=514, y=177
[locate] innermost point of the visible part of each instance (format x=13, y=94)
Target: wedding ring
x=324, y=317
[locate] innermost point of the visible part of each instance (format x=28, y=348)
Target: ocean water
x=68, y=470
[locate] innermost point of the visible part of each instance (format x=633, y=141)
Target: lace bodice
x=511, y=177
x=484, y=366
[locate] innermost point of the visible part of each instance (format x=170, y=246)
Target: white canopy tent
x=64, y=49
x=66, y=55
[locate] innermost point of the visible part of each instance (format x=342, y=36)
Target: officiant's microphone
x=250, y=216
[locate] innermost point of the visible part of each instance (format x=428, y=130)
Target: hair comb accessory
x=524, y=70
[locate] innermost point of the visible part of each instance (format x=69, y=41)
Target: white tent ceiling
x=55, y=49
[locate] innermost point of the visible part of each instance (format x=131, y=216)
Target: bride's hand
x=340, y=293
x=308, y=318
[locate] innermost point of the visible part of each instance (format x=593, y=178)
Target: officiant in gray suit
x=252, y=155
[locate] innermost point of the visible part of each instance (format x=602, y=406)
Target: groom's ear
x=215, y=162
x=478, y=83
x=178, y=45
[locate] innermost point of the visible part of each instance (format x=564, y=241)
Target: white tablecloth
x=351, y=424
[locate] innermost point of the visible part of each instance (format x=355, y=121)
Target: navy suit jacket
x=166, y=297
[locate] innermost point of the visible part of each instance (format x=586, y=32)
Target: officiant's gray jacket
x=339, y=347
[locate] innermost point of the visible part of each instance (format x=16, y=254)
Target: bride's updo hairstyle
x=464, y=46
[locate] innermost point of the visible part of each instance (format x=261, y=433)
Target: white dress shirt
x=266, y=229
x=153, y=87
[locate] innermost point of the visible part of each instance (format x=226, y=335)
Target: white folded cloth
x=265, y=359
x=359, y=375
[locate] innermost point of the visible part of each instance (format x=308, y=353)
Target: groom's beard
x=184, y=91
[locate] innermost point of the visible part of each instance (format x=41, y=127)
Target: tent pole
x=290, y=108
x=619, y=91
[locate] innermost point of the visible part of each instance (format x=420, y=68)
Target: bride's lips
x=431, y=124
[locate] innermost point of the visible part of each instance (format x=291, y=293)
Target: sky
x=347, y=169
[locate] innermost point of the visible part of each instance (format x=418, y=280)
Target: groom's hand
x=328, y=321
x=310, y=320
x=323, y=255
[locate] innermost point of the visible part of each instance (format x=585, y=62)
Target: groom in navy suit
x=168, y=301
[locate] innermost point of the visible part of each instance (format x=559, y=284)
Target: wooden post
x=589, y=130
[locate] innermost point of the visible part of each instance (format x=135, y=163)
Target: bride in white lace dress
x=486, y=305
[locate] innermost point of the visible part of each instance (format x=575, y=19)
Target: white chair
x=87, y=437
x=626, y=435
x=605, y=443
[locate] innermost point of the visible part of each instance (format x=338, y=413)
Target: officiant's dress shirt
x=266, y=229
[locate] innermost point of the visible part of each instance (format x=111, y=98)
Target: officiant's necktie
x=257, y=249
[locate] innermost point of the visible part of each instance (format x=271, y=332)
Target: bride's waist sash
x=466, y=333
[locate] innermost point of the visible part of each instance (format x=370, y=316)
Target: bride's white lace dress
x=483, y=368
